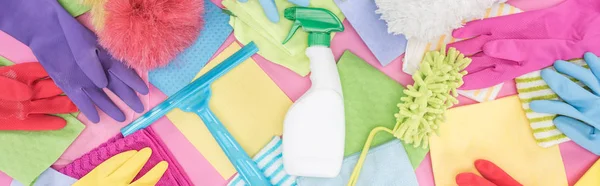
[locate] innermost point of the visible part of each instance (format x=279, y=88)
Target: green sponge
x=434, y=91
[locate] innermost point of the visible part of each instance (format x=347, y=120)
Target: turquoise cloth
x=182, y=70
x=385, y=165
x=50, y=177
x=270, y=161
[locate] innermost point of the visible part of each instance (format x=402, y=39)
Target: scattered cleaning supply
x=181, y=71
x=532, y=87
x=38, y=146
x=367, y=95
x=28, y=97
x=373, y=31
x=422, y=110
x=426, y=19
x=270, y=162
x=49, y=177
x=579, y=113
x=271, y=10
x=497, y=131
x=195, y=98
x=314, y=126
x=26, y=154
x=533, y=41
x=415, y=50
x=591, y=176
x=85, y=165
x=149, y=33
x=491, y=175
x=386, y=165
x=248, y=103
x=122, y=168
x=71, y=56
x=251, y=25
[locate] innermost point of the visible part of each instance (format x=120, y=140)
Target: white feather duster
x=426, y=19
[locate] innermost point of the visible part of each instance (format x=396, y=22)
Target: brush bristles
x=147, y=34
x=424, y=20
x=422, y=110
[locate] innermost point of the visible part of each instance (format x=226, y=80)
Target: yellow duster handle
x=422, y=110
x=363, y=155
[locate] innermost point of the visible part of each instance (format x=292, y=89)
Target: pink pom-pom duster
x=147, y=34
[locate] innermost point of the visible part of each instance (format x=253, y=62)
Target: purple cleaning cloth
x=372, y=30
x=174, y=176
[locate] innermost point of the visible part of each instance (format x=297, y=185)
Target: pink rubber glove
x=509, y=46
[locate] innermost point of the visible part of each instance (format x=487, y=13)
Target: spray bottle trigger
x=295, y=27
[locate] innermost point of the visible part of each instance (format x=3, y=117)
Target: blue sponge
x=186, y=65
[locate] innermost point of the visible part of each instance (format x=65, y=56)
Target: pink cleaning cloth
x=174, y=176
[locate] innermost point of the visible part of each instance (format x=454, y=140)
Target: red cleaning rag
x=27, y=96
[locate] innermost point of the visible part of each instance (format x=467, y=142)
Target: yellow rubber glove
x=120, y=170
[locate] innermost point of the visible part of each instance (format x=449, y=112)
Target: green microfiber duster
x=434, y=91
x=422, y=109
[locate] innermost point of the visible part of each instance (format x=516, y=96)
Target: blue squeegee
x=194, y=98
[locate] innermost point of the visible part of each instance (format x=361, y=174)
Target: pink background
x=576, y=159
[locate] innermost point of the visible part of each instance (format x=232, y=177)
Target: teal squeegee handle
x=193, y=89
x=246, y=167
x=194, y=98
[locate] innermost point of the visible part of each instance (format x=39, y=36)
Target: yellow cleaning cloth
x=247, y=102
x=497, y=131
x=591, y=177
x=251, y=24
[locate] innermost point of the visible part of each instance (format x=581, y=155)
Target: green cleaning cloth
x=370, y=99
x=5, y=62
x=74, y=7
x=26, y=154
x=251, y=24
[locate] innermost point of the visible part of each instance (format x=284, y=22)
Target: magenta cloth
x=141, y=139
x=576, y=159
x=425, y=172
x=529, y=5
x=5, y=180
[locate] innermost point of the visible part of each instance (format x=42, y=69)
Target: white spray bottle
x=314, y=126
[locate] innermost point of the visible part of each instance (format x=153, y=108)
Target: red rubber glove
x=492, y=176
x=27, y=96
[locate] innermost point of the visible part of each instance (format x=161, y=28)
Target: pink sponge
x=149, y=33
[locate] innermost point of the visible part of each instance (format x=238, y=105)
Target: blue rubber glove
x=580, y=111
x=271, y=10
x=582, y=134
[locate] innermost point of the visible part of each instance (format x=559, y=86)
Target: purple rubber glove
x=509, y=46
x=70, y=54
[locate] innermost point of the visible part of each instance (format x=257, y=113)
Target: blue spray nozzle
x=179, y=99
